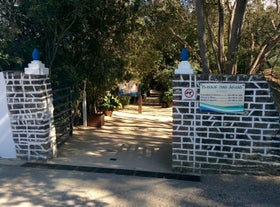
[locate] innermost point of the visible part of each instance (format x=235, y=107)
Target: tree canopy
x=95, y=45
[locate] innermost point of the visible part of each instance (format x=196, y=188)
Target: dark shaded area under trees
x=94, y=45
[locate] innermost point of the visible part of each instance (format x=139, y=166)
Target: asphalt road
x=30, y=187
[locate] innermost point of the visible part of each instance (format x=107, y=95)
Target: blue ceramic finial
x=185, y=54
x=35, y=54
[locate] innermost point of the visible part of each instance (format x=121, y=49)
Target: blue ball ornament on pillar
x=35, y=54
x=185, y=54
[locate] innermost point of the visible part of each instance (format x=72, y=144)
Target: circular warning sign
x=188, y=93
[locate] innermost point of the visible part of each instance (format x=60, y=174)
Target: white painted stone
x=184, y=67
x=222, y=141
x=36, y=67
x=31, y=114
x=7, y=145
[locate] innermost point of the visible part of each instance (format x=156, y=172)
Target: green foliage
x=168, y=96
x=95, y=45
x=12, y=47
x=110, y=102
x=125, y=100
x=259, y=36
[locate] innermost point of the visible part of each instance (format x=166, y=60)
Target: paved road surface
x=31, y=187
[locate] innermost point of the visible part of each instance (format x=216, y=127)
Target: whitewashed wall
x=7, y=145
x=29, y=101
x=217, y=142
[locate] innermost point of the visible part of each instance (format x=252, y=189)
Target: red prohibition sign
x=189, y=93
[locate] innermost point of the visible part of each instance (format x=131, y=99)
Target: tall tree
x=200, y=4
x=263, y=46
x=241, y=38
x=48, y=23
x=11, y=58
x=235, y=36
x=221, y=37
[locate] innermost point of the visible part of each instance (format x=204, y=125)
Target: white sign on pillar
x=7, y=145
x=188, y=94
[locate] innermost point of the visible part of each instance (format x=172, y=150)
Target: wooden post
x=139, y=100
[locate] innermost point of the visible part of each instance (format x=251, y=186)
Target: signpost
x=222, y=97
x=133, y=89
x=129, y=88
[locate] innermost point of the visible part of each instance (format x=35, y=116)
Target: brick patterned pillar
x=31, y=112
x=206, y=142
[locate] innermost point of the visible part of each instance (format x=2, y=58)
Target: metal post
x=70, y=113
x=84, y=105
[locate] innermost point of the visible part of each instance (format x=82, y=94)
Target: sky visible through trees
x=95, y=45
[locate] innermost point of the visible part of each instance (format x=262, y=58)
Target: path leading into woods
x=128, y=140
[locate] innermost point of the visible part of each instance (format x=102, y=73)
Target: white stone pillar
x=7, y=145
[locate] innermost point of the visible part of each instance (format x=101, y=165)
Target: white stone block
x=36, y=67
x=184, y=67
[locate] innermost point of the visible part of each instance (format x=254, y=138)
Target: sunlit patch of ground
x=127, y=140
x=149, y=111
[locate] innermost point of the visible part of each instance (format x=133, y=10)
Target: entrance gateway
x=223, y=123
x=231, y=126
x=235, y=129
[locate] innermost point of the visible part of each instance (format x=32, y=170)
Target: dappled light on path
x=128, y=140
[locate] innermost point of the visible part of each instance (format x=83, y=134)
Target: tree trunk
x=202, y=36
x=212, y=40
x=235, y=36
x=221, y=41
x=53, y=44
x=264, y=51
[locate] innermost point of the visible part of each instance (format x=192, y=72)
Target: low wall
x=29, y=99
x=205, y=142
